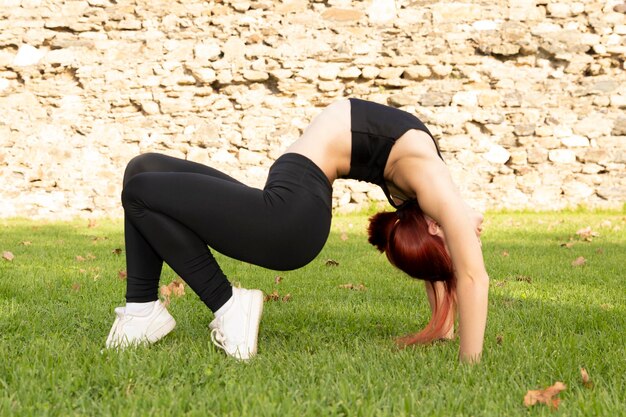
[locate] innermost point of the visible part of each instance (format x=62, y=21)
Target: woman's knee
x=141, y=163
x=134, y=189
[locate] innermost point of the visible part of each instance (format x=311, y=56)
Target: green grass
x=328, y=350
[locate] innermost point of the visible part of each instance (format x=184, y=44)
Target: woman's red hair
x=403, y=236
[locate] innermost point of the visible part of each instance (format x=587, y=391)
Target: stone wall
x=527, y=97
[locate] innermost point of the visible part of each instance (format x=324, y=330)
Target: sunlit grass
x=328, y=350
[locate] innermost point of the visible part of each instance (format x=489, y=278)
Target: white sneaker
x=129, y=330
x=237, y=330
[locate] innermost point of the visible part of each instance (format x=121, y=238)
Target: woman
x=175, y=208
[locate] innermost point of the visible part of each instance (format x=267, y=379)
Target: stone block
x=524, y=129
x=442, y=70
x=497, y=155
x=591, y=168
x=618, y=100
x=455, y=142
x=612, y=192
x=342, y=15
x=529, y=181
x=203, y=75
x=327, y=86
x=596, y=155
x=281, y=74
x=593, y=126
x=577, y=189
x=619, y=127
x=547, y=197
x=402, y=99
x=434, y=98
x=329, y=72
x=349, y=73
x=466, y=98
x=559, y=10
x=562, y=156
x=454, y=12
x=548, y=142
x=27, y=55
x=381, y=11
x=247, y=157
x=255, y=76
x=391, y=73
x=519, y=157
x=575, y=141
x=417, y=72
x=489, y=98
x=209, y=51
x=370, y=72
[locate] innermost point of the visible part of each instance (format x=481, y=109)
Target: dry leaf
x=587, y=383
x=524, y=278
x=26, y=243
x=76, y=286
x=587, y=233
x=165, y=291
x=344, y=236
x=499, y=339
x=580, y=261
x=505, y=254
x=90, y=256
x=606, y=223
x=351, y=286
x=8, y=256
x=117, y=251
x=121, y=274
x=80, y=258
x=544, y=396
x=176, y=287
x=92, y=223
x=599, y=250
x=567, y=245
x=331, y=262
x=278, y=279
x=274, y=296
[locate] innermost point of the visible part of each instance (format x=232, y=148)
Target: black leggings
x=175, y=208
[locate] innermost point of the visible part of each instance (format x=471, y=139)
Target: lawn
x=327, y=350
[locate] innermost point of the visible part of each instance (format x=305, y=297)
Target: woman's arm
x=439, y=198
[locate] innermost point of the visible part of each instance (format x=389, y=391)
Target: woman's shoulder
x=416, y=143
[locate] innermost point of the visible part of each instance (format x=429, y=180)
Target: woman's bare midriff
x=327, y=140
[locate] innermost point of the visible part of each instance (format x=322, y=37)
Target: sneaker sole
x=256, y=310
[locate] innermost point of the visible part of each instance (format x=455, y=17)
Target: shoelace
x=218, y=339
x=118, y=337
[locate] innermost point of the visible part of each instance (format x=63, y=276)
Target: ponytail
x=380, y=228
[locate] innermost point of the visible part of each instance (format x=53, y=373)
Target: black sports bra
x=375, y=129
